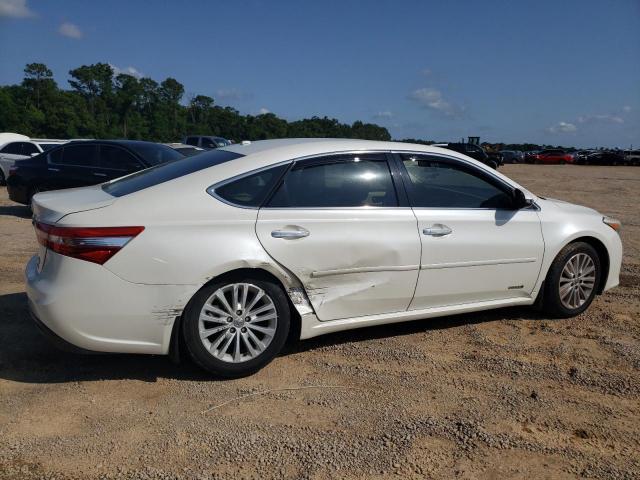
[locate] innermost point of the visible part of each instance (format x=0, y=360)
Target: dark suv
x=206, y=142
x=474, y=151
x=82, y=163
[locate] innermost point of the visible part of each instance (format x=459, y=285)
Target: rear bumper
x=17, y=192
x=89, y=307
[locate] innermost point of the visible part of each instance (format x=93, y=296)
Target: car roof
x=126, y=143
x=300, y=147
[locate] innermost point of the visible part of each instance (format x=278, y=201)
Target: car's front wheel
x=572, y=281
x=234, y=327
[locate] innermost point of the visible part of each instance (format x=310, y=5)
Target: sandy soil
x=503, y=394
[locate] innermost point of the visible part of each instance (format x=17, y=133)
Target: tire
x=247, y=348
x=572, y=257
x=3, y=181
x=493, y=164
x=562, y=162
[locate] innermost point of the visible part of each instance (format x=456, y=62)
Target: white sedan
x=233, y=249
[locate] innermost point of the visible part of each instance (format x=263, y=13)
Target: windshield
x=155, y=154
x=167, y=171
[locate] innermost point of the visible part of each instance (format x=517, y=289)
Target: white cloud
x=432, y=99
x=603, y=118
x=133, y=71
x=15, y=9
x=263, y=111
x=562, y=127
x=385, y=115
x=626, y=109
x=71, y=30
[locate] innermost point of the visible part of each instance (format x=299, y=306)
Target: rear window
x=167, y=171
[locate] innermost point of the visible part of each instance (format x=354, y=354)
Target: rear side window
x=353, y=181
x=251, y=190
x=167, y=171
x=77, y=155
x=12, y=148
x=192, y=141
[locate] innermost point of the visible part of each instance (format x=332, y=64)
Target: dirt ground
x=502, y=394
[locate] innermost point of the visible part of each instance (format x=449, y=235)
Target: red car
x=553, y=156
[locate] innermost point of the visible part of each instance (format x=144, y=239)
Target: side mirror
x=519, y=200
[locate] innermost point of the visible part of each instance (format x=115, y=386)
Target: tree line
x=103, y=104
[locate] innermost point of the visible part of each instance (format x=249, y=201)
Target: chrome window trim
x=211, y=189
x=533, y=206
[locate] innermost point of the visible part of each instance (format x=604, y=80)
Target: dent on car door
x=475, y=246
x=336, y=224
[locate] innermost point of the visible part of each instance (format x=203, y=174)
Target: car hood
x=572, y=207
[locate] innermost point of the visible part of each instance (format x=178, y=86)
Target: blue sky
x=559, y=72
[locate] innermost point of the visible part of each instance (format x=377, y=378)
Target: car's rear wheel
x=234, y=327
x=572, y=281
x=3, y=181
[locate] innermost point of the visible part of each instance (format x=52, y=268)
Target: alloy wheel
x=238, y=322
x=577, y=281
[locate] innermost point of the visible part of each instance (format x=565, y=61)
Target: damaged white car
x=230, y=251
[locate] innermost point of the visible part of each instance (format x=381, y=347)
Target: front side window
x=439, y=184
x=352, y=181
x=192, y=141
x=208, y=143
x=118, y=158
x=29, y=148
x=251, y=190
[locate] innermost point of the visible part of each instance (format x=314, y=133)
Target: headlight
x=612, y=222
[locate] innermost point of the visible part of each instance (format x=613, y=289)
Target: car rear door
x=475, y=246
x=72, y=166
x=338, y=224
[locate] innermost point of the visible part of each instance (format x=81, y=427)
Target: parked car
x=512, y=156
x=553, y=156
x=474, y=151
x=604, y=158
x=77, y=164
x=206, y=142
x=21, y=148
x=632, y=157
x=229, y=251
x=184, y=149
x=530, y=156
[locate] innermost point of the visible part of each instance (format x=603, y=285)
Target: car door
x=337, y=223
x=8, y=155
x=115, y=161
x=475, y=246
x=72, y=166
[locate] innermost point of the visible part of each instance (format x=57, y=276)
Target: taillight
x=93, y=244
x=12, y=170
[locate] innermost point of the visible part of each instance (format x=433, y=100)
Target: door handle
x=437, y=230
x=51, y=169
x=99, y=174
x=291, y=233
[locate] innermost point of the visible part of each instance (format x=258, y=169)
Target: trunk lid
x=50, y=207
